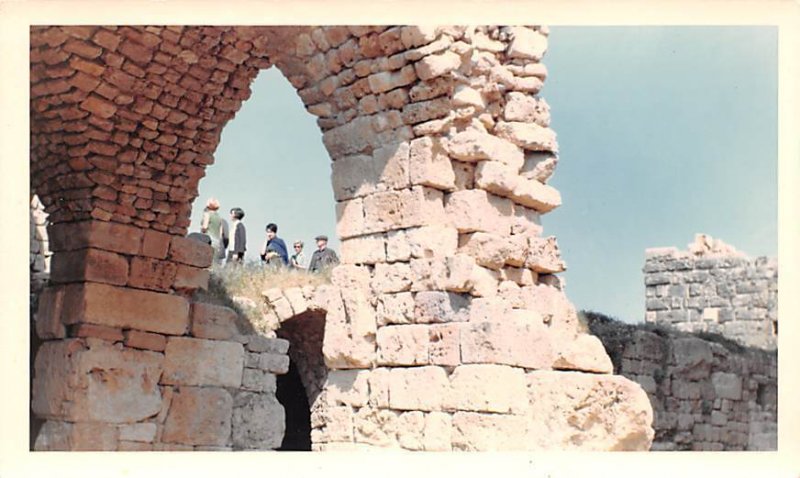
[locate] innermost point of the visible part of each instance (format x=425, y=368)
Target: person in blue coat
x=274, y=249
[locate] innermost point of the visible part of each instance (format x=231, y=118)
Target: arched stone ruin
x=444, y=326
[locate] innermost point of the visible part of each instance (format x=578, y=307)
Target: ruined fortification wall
x=707, y=393
x=713, y=288
x=444, y=327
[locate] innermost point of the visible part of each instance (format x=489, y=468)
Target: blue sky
x=664, y=132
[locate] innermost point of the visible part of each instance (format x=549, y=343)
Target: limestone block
x=414, y=36
x=395, y=309
x=487, y=388
x=476, y=210
x=585, y=353
x=294, y=295
x=459, y=269
x=473, y=145
x=368, y=249
x=125, y=308
x=379, y=388
x=274, y=363
x=258, y=421
x=527, y=43
x=350, y=218
x=489, y=250
x=89, y=264
x=544, y=256
x=388, y=278
x=190, y=361
x=199, y=416
x=535, y=195
x=390, y=210
x=190, y=252
x=144, y=340
x=65, y=436
x=488, y=432
x=436, y=65
x=529, y=136
x=264, y=344
x=579, y=411
x=141, y=432
x=522, y=277
x=484, y=282
x=349, y=277
x=727, y=385
x=256, y=380
x=464, y=95
x=502, y=341
x=429, y=165
x=191, y=278
x=432, y=241
x=279, y=303
x=397, y=247
x=213, y=322
x=48, y=316
x=153, y=274
x=526, y=108
x=155, y=244
x=539, y=166
x=353, y=137
x=349, y=340
x=347, y=387
x=444, y=345
x=92, y=380
x=110, y=334
x=360, y=175
x=376, y=427
x=438, y=306
x=336, y=425
x=497, y=178
x=693, y=358
x=410, y=430
x=109, y=236
x=402, y=345
x=389, y=80
x=417, y=388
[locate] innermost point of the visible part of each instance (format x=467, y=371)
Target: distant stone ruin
x=712, y=287
x=445, y=327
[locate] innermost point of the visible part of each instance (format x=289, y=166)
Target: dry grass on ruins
x=240, y=288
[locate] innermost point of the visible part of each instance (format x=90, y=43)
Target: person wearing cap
x=298, y=259
x=215, y=227
x=322, y=257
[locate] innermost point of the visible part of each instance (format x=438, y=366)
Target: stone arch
x=445, y=326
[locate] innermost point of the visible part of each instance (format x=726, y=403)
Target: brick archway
x=445, y=309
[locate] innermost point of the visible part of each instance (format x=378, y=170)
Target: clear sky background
x=664, y=132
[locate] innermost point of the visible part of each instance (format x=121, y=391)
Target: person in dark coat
x=238, y=241
x=274, y=252
x=322, y=257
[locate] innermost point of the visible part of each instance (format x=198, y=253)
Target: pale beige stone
x=350, y=218
x=521, y=276
x=487, y=388
x=349, y=340
x=535, y=195
x=395, y=308
x=439, y=306
x=402, y=345
x=92, y=380
x=388, y=278
x=472, y=145
x=526, y=108
x=585, y=353
x=376, y=427
x=444, y=344
x=296, y=299
x=512, y=342
x=476, y=210
x=539, y=166
x=484, y=281
x=379, y=388
x=337, y=425
x=390, y=210
x=464, y=95
x=200, y=362
x=258, y=421
x=526, y=222
x=410, y=430
x=348, y=276
x=544, y=256
x=213, y=322
x=368, y=249
x=529, y=136
x=436, y=65
x=414, y=36
x=199, y=416
x=397, y=246
x=432, y=241
x=429, y=165
x=347, y=387
x=141, y=432
x=579, y=411
x=497, y=178
x=488, y=432
x=389, y=80
x=527, y=43
x=418, y=388
x=489, y=250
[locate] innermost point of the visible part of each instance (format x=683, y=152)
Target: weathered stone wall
x=444, y=326
x=707, y=393
x=713, y=288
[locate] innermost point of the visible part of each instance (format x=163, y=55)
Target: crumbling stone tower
x=444, y=328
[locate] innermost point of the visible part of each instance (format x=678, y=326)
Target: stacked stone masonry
x=713, y=288
x=706, y=394
x=444, y=327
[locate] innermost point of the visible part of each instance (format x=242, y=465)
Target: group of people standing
x=230, y=243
